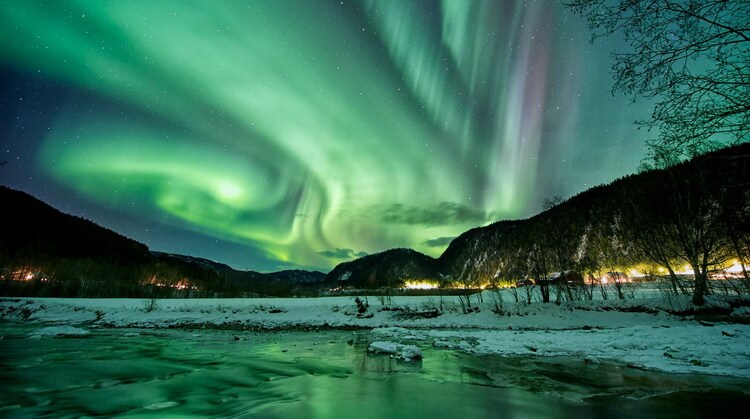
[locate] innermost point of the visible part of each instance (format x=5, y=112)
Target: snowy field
x=640, y=332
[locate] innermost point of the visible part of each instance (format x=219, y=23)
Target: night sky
x=299, y=134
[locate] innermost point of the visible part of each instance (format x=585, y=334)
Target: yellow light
x=419, y=285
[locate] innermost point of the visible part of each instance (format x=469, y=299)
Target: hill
x=696, y=213
x=389, y=268
x=45, y=252
x=29, y=227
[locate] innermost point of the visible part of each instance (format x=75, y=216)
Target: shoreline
x=648, y=338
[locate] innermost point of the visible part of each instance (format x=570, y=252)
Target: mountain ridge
x=56, y=244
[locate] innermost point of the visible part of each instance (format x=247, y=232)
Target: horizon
x=271, y=136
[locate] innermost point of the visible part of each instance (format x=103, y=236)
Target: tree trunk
x=544, y=289
x=675, y=281
x=700, y=285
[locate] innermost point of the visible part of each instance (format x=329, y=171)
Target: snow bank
x=281, y=313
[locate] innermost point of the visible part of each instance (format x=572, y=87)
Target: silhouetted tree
x=692, y=57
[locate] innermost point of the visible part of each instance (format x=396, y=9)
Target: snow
x=385, y=347
x=640, y=332
x=404, y=352
x=409, y=352
x=60, y=331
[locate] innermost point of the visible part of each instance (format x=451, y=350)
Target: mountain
x=49, y=253
x=391, y=267
x=296, y=276
x=292, y=276
x=696, y=211
x=475, y=252
x=657, y=217
x=29, y=227
x=193, y=260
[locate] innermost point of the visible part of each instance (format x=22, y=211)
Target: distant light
x=686, y=270
x=419, y=285
x=736, y=268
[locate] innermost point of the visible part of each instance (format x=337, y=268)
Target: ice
x=410, y=352
x=404, y=352
x=385, y=347
x=60, y=331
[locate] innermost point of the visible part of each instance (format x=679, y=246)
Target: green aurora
x=315, y=131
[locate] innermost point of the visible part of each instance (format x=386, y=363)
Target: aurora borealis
x=278, y=134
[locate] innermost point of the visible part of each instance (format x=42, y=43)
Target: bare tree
x=538, y=267
x=646, y=230
x=692, y=57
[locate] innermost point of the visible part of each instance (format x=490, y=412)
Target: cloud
x=444, y=214
x=342, y=254
x=439, y=242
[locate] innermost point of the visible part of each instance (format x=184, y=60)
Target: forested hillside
x=44, y=252
x=696, y=213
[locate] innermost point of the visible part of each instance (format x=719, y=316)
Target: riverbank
x=643, y=333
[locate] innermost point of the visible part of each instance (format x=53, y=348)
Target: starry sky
x=273, y=134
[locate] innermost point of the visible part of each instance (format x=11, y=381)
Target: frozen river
x=202, y=373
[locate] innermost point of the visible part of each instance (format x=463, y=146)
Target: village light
x=419, y=285
x=735, y=268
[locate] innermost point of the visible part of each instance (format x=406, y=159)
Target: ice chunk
x=385, y=347
x=441, y=344
x=410, y=352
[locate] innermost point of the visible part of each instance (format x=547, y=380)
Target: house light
x=419, y=285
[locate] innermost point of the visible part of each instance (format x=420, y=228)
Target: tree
x=564, y=228
x=539, y=258
x=680, y=218
x=645, y=220
x=692, y=57
x=696, y=226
